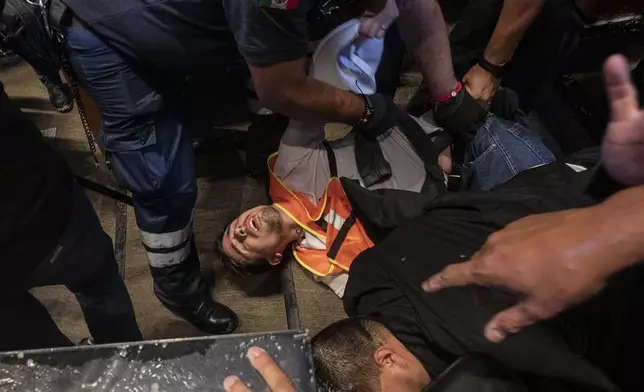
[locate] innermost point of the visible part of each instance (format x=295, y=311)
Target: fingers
x=512, y=320
x=234, y=384
x=370, y=27
x=276, y=379
x=453, y=275
x=621, y=93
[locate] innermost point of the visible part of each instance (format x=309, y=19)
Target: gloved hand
x=382, y=119
x=460, y=116
x=372, y=165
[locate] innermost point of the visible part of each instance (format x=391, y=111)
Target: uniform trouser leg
x=151, y=154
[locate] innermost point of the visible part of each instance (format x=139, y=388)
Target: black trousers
x=84, y=262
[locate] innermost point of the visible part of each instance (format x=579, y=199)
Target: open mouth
x=253, y=224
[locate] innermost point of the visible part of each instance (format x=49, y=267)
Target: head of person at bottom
x=257, y=239
x=362, y=355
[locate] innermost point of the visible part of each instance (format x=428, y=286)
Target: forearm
x=516, y=16
x=310, y=100
x=423, y=29
x=620, y=227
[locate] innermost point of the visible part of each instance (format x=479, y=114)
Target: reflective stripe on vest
x=333, y=238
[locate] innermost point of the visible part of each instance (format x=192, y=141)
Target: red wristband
x=452, y=94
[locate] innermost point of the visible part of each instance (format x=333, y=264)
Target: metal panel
x=187, y=364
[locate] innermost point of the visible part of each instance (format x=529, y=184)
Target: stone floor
x=224, y=191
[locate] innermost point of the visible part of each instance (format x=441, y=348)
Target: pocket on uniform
x=131, y=155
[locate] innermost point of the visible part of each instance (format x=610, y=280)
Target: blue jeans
x=500, y=150
x=151, y=154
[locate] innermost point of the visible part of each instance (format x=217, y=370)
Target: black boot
x=184, y=292
x=211, y=317
x=60, y=97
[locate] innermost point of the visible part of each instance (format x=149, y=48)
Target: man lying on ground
x=403, y=337
x=310, y=208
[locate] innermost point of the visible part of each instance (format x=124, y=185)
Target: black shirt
x=267, y=35
x=35, y=194
x=438, y=328
x=187, y=34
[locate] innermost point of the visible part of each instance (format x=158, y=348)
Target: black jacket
x=384, y=282
x=35, y=195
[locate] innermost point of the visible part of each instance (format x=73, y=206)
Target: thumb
x=512, y=320
x=622, y=96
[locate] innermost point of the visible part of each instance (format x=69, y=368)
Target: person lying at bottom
x=311, y=212
x=401, y=338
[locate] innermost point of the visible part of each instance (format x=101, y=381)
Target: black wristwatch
x=368, y=112
x=496, y=70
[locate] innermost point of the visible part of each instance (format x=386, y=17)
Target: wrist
x=496, y=69
x=497, y=57
x=367, y=112
x=449, y=95
x=619, y=221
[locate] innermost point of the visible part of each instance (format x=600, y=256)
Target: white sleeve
x=302, y=162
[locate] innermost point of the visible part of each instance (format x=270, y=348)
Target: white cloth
x=347, y=61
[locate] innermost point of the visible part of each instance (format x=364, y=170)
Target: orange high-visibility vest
x=333, y=237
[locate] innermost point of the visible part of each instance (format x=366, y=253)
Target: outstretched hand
x=276, y=379
x=553, y=259
x=623, y=146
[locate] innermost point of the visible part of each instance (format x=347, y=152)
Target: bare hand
x=375, y=25
x=481, y=85
x=555, y=259
x=623, y=146
x=276, y=379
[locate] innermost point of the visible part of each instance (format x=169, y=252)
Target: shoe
x=86, y=342
x=60, y=97
x=213, y=317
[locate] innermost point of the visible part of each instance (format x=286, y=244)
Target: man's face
x=256, y=234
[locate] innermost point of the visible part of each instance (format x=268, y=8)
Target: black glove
x=441, y=140
x=460, y=116
x=382, y=119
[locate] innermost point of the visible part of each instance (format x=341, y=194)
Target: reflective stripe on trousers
x=167, y=249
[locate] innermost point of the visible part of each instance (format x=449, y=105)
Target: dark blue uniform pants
x=151, y=154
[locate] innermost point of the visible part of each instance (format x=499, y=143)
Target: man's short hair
x=343, y=355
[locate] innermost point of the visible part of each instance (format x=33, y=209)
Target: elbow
x=271, y=99
x=281, y=97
